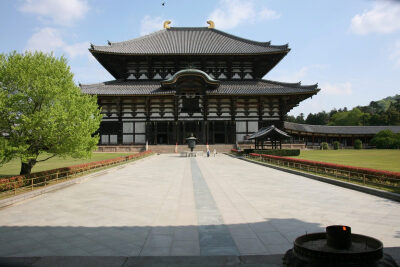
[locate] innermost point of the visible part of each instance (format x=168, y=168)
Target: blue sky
x=350, y=48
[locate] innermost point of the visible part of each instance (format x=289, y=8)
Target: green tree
x=393, y=115
x=290, y=118
x=43, y=111
x=300, y=118
x=320, y=118
x=347, y=118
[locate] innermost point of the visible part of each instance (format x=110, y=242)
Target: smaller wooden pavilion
x=269, y=136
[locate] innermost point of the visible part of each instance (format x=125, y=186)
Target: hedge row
x=237, y=152
x=39, y=177
x=279, y=152
x=361, y=170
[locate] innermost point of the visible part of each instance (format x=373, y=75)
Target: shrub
x=336, y=145
x=357, y=144
x=248, y=150
x=237, y=152
x=324, y=146
x=386, y=139
x=279, y=152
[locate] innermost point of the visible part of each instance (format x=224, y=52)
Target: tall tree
x=352, y=117
x=320, y=118
x=43, y=111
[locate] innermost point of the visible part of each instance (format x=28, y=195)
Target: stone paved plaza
x=169, y=205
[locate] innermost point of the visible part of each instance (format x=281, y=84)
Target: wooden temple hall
x=183, y=80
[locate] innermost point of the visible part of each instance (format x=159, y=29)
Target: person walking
x=215, y=152
x=208, y=152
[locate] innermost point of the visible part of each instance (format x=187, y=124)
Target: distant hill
x=382, y=112
x=385, y=103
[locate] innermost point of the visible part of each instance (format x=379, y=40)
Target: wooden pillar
x=168, y=133
x=225, y=132
x=233, y=131
x=119, y=113
x=175, y=132
x=155, y=133
x=205, y=131
x=213, y=132
x=149, y=134
x=183, y=132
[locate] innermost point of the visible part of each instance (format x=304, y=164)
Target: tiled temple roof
x=229, y=87
x=189, y=41
x=270, y=131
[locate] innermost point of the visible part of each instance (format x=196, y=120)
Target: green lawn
x=13, y=167
x=381, y=159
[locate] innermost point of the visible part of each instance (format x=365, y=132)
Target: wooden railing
x=375, y=178
x=19, y=184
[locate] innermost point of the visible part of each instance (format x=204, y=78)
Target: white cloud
x=150, y=24
x=338, y=89
x=45, y=40
x=293, y=77
x=49, y=40
x=63, y=12
x=384, y=17
x=266, y=14
x=77, y=49
x=231, y=13
x=396, y=53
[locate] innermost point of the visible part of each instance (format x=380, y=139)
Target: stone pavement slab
x=172, y=206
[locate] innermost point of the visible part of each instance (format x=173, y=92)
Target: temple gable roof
x=189, y=41
x=269, y=132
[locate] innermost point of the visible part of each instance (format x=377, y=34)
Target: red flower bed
x=21, y=180
x=361, y=170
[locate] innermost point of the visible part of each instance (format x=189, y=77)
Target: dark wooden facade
x=160, y=120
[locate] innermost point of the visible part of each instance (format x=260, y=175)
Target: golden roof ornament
x=211, y=24
x=166, y=24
